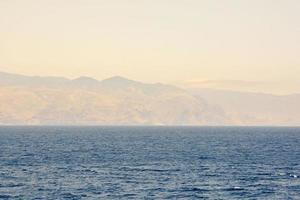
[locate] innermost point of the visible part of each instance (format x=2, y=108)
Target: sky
x=153, y=40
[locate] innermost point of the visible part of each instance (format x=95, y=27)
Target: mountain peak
x=85, y=79
x=119, y=81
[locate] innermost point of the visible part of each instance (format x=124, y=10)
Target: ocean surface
x=149, y=163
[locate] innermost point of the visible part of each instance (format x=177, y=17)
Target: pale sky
x=152, y=40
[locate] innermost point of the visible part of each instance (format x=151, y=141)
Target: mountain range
x=32, y=100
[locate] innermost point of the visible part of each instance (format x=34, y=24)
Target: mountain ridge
x=120, y=101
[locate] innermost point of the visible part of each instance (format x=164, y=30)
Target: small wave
x=205, y=158
x=148, y=169
x=11, y=185
x=69, y=195
x=194, y=189
x=235, y=188
x=28, y=155
x=293, y=176
x=5, y=196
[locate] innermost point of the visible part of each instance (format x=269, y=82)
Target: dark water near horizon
x=149, y=163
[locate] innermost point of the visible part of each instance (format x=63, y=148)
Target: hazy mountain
x=244, y=108
x=280, y=88
x=117, y=100
x=120, y=101
x=7, y=79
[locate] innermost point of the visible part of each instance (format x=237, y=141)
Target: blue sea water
x=149, y=163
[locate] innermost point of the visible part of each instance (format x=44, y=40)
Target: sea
x=55, y=162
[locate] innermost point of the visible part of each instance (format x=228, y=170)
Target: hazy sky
x=152, y=40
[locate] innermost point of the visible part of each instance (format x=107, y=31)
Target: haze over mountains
x=120, y=101
x=283, y=87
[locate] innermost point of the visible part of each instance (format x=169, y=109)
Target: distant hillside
x=244, y=108
x=120, y=101
x=114, y=101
